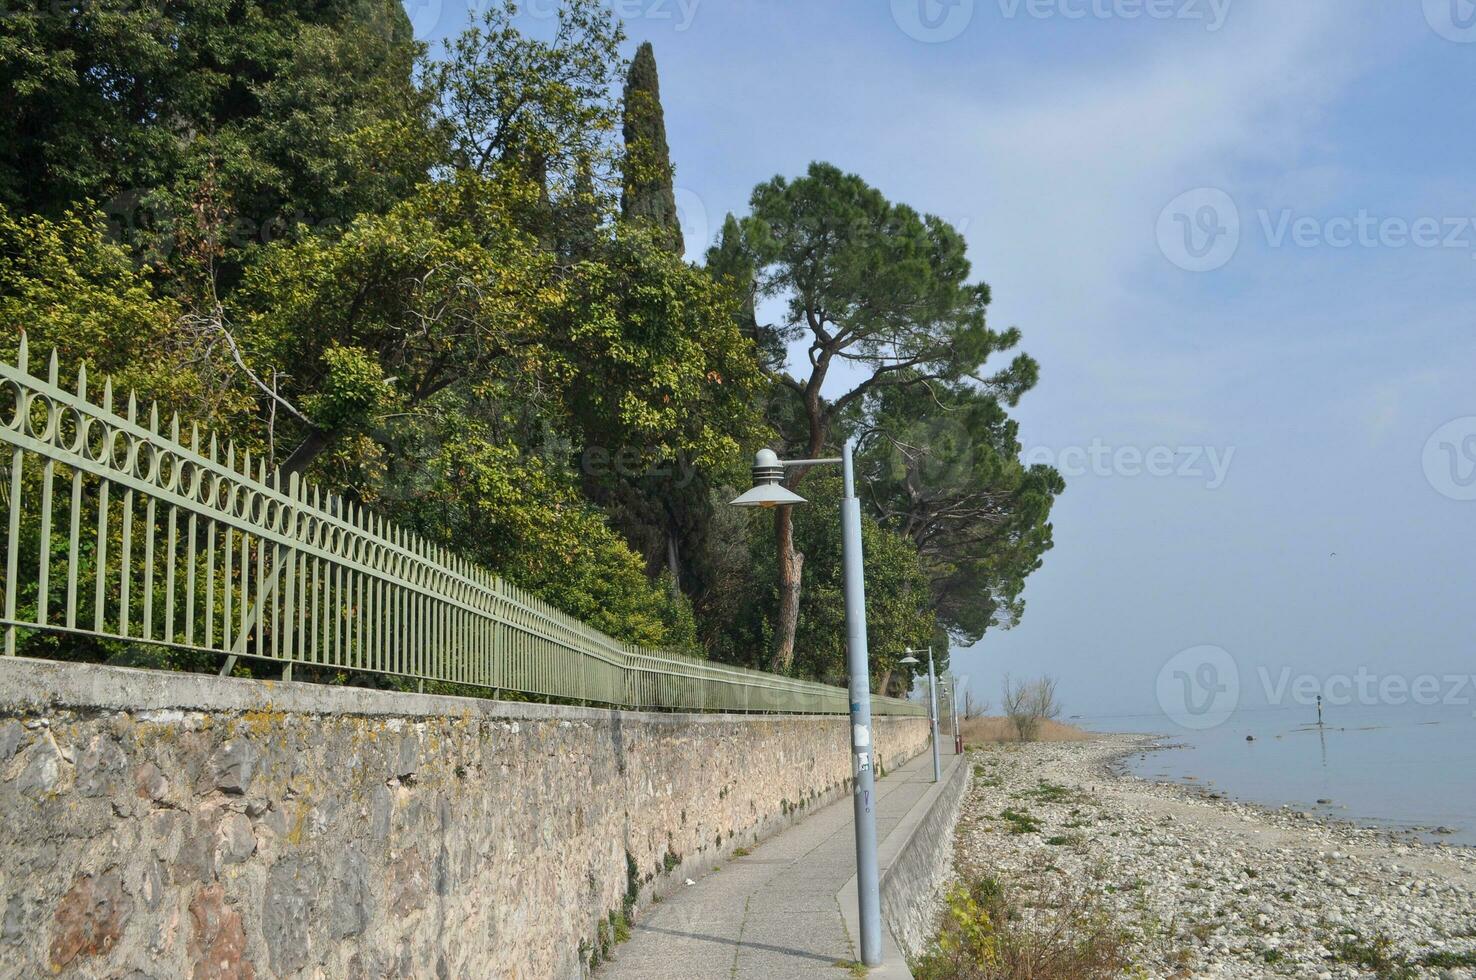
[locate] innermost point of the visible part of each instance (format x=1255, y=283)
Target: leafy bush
x=991, y=932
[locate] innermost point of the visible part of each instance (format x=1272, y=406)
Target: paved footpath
x=774, y=914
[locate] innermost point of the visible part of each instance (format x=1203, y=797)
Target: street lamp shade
x=768, y=495
x=767, y=490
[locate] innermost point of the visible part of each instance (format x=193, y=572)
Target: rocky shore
x=1208, y=887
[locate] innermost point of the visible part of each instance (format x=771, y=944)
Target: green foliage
x=443, y=289
x=66, y=285
x=651, y=360
x=70, y=288
x=461, y=482
x=1376, y=954
x=408, y=280
x=1044, y=931
x=874, y=289
x=646, y=193
x=897, y=612
x=943, y=469
x=352, y=390
x=1020, y=822
x=307, y=108
x=539, y=108
x=876, y=285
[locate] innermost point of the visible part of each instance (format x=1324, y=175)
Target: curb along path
x=777, y=913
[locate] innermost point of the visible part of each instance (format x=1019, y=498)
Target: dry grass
x=985, y=731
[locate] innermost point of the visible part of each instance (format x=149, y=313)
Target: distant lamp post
x=950, y=690
x=957, y=735
x=768, y=492
x=932, y=703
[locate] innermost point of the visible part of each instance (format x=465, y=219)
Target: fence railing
x=123, y=529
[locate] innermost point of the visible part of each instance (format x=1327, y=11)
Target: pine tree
x=646, y=194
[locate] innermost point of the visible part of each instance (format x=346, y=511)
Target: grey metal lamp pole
x=957, y=738
x=932, y=704
x=768, y=471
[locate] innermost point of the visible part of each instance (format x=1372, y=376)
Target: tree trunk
x=791, y=562
x=309, y=449
x=673, y=563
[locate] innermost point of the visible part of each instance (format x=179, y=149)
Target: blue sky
x=1315, y=361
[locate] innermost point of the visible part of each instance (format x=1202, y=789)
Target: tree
x=647, y=194
x=897, y=612
x=442, y=289
x=662, y=391
x=943, y=469
x=70, y=288
x=973, y=708
x=460, y=476
x=542, y=109
x=1029, y=703
x=871, y=286
x=308, y=110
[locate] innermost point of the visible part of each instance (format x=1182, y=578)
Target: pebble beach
x=1203, y=886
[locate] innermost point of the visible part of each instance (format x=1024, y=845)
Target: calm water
x=1404, y=767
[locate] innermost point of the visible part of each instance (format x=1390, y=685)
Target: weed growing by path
x=1053, y=931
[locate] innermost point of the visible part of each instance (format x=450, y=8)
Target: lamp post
x=767, y=492
x=957, y=736
x=932, y=704
x=949, y=687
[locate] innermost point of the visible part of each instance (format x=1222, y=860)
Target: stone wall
x=915, y=874
x=172, y=825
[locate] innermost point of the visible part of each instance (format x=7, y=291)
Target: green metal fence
x=122, y=529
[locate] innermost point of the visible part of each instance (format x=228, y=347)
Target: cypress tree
x=646, y=193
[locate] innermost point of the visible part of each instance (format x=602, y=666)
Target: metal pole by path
x=933, y=716
x=953, y=710
x=868, y=889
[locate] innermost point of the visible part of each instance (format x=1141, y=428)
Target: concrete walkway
x=776, y=913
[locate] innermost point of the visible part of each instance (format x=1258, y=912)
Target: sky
x=1240, y=238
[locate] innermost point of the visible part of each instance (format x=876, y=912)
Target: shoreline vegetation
x=1069, y=866
x=996, y=731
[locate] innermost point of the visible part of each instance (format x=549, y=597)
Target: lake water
x=1399, y=767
